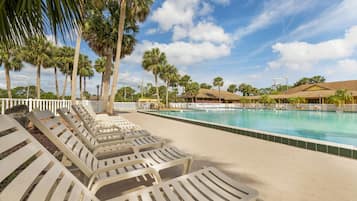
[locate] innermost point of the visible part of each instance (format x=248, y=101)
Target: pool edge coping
x=343, y=150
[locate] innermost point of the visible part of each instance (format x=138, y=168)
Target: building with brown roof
x=314, y=93
x=212, y=96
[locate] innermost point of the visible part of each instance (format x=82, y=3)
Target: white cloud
x=174, y=12
x=336, y=17
x=205, y=9
x=181, y=53
x=273, y=11
x=203, y=31
x=343, y=70
x=183, y=13
x=151, y=31
x=302, y=55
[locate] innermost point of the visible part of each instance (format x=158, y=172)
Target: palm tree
x=153, y=60
x=184, y=81
x=192, y=89
x=65, y=57
x=102, y=35
x=133, y=10
x=232, y=88
x=85, y=70
x=218, y=82
x=10, y=59
x=36, y=52
x=99, y=66
x=205, y=86
x=53, y=62
x=23, y=19
x=169, y=74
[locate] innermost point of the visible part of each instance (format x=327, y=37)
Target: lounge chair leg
x=186, y=167
x=156, y=176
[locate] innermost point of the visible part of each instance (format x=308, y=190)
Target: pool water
x=327, y=126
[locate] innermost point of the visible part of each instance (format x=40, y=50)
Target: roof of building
x=316, y=90
x=214, y=94
x=350, y=85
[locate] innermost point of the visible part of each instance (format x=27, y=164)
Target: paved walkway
x=279, y=172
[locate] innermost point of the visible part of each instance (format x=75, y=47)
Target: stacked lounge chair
x=30, y=172
x=101, y=172
x=111, y=146
x=97, y=128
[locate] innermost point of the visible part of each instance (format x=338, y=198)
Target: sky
x=258, y=42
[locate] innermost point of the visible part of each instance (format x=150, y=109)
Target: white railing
x=41, y=104
x=53, y=105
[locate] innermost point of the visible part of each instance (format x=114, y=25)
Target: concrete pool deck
x=279, y=172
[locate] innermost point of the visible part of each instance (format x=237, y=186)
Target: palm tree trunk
x=8, y=82
x=81, y=87
x=219, y=94
x=75, y=67
x=157, y=91
x=101, y=85
x=117, y=56
x=85, y=84
x=106, y=80
x=38, y=81
x=65, y=86
x=167, y=94
x=56, y=82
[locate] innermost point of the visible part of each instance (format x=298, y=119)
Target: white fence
x=97, y=106
x=53, y=105
x=313, y=107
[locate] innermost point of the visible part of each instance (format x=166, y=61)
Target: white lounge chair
x=100, y=129
x=101, y=172
x=109, y=147
x=29, y=171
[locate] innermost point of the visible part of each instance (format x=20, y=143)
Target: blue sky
x=250, y=41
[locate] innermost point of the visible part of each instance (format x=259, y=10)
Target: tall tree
x=83, y=8
x=169, y=74
x=312, y=80
x=133, y=10
x=232, y=88
x=84, y=70
x=192, y=90
x=205, y=86
x=218, y=82
x=37, y=51
x=54, y=61
x=22, y=19
x=65, y=57
x=125, y=94
x=184, y=81
x=101, y=33
x=99, y=66
x=153, y=60
x=247, y=89
x=10, y=59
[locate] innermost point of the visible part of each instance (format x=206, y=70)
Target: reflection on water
x=328, y=126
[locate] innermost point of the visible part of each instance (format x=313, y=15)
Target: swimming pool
x=327, y=126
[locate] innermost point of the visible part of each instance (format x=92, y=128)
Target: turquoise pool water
x=327, y=126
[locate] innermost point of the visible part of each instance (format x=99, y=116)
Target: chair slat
x=23, y=181
x=43, y=188
x=16, y=159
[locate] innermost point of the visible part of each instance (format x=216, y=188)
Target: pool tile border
x=299, y=142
